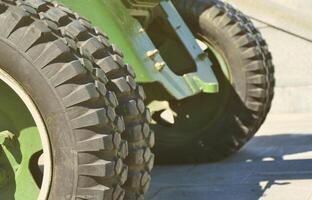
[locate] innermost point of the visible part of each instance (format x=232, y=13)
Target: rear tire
x=243, y=108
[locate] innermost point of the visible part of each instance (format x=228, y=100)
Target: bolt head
x=160, y=66
x=152, y=53
x=141, y=30
x=4, y=135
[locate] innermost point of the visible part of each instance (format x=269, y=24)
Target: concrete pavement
x=276, y=164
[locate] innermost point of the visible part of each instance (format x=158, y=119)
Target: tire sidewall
x=230, y=51
x=18, y=66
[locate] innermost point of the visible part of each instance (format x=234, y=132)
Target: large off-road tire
x=233, y=115
x=72, y=96
x=97, y=51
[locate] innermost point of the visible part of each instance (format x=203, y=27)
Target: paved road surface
x=276, y=164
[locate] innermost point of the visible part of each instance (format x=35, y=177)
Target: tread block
x=12, y=20
x=118, y=59
x=110, y=112
x=75, y=30
x=67, y=10
x=151, y=139
x=257, y=93
x=139, y=156
x=108, y=64
x=123, y=149
x=255, y=66
x=100, y=75
x=130, y=70
x=121, y=85
x=141, y=106
x=39, y=5
x=132, y=108
x=68, y=72
x=84, y=22
x=150, y=163
x=252, y=53
x=148, y=116
x=236, y=29
x=37, y=32
x=100, y=168
x=257, y=79
x=255, y=106
x=117, y=194
x=81, y=94
x=94, y=117
x=26, y=7
x=120, y=124
x=101, y=87
x=57, y=15
x=97, y=192
x=96, y=143
x=134, y=133
x=141, y=92
x=117, y=51
x=112, y=99
x=87, y=64
x=246, y=40
x=131, y=82
x=104, y=40
x=52, y=51
x=123, y=175
x=213, y=12
x=91, y=48
x=117, y=140
x=145, y=182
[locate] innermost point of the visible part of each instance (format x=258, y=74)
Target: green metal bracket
x=112, y=17
x=204, y=79
x=4, y=135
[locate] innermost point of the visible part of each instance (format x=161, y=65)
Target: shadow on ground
x=273, y=161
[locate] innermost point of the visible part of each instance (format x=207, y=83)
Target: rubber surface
x=251, y=86
x=73, y=98
x=98, y=52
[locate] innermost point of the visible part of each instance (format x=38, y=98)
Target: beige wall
x=293, y=16
x=297, y=4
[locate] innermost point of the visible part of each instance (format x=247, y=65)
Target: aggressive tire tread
x=88, y=105
x=97, y=51
x=238, y=126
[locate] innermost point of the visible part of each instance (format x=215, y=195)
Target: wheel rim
x=22, y=136
x=197, y=114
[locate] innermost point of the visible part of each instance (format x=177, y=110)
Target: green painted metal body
x=19, y=140
x=112, y=17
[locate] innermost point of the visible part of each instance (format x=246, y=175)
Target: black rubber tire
x=252, y=85
x=73, y=99
x=98, y=52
